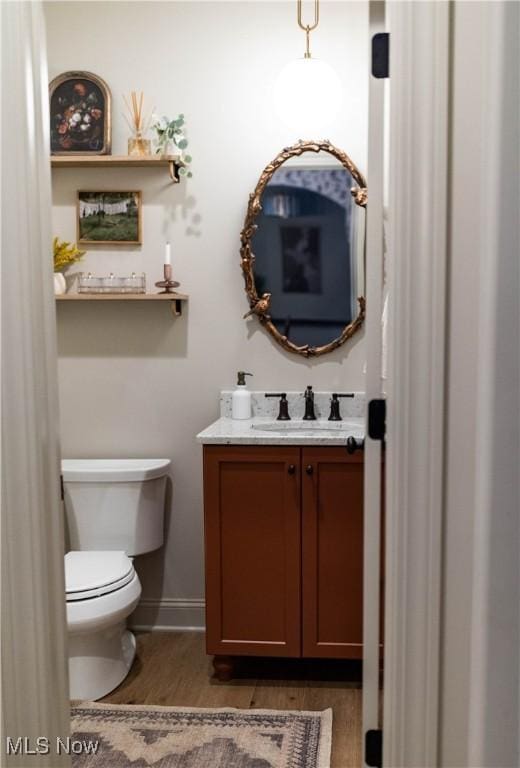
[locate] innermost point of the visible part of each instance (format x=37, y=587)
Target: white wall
x=133, y=381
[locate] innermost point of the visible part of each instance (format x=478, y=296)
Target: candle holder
x=168, y=284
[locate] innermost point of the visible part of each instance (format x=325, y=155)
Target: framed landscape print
x=80, y=105
x=109, y=218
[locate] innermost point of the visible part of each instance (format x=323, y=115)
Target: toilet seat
x=105, y=611
x=93, y=574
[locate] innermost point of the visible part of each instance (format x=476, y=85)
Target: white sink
x=348, y=427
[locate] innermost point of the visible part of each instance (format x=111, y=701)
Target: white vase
x=60, y=286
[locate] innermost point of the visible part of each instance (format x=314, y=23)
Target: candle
x=168, y=255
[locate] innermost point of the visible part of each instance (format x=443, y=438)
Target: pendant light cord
x=307, y=28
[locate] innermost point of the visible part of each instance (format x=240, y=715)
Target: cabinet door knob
x=291, y=469
x=309, y=469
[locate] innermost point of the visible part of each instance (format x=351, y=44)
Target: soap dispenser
x=241, y=401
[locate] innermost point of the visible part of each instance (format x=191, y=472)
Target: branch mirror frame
x=259, y=305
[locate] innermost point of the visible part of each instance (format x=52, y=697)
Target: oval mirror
x=302, y=248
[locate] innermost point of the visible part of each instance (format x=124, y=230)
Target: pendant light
x=308, y=91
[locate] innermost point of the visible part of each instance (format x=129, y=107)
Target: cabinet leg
x=223, y=666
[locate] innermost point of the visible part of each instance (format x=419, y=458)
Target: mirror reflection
x=308, y=249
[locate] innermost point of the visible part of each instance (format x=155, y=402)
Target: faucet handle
x=283, y=412
x=335, y=414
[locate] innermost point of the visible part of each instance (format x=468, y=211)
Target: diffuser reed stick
x=137, y=145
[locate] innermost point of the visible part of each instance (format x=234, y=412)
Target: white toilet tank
x=115, y=504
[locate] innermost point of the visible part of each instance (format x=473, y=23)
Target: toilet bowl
x=114, y=509
x=102, y=591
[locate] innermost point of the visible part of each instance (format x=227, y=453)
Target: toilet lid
x=91, y=574
x=113, y=470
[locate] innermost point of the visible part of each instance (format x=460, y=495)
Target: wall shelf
x=175, y=299
x=171, y=162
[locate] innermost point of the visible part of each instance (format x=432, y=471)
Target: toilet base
x=99, y=661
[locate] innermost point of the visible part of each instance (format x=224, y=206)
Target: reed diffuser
x=138, y=146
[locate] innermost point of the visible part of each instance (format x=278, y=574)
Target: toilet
x=114, y=510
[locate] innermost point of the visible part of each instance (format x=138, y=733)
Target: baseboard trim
x=169, y=614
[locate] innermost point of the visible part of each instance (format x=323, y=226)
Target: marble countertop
x=263, y=429
x=226, y=431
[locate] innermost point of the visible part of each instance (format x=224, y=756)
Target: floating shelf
x=172, y=162
x=175, y=299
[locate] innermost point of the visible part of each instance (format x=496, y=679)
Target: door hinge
x=381, y=55
x=377, y=419
x=374, y=748
x=62, y=489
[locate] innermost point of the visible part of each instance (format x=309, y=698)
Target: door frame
x=452, y=633
x=416, y=272
x=35, y=690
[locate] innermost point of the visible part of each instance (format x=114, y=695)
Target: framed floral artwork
x=80, y=113
x=109, y=218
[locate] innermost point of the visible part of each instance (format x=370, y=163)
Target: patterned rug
x=130, y=736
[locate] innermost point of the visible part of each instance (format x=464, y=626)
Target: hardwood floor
x=172, y=669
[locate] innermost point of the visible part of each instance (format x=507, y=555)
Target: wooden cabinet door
x=332, y=553
x=253, y=550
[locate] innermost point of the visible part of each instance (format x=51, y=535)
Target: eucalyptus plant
x=172, y=131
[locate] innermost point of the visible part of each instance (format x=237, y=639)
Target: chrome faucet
x=309, y=405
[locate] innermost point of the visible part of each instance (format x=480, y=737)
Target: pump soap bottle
x=241, y=400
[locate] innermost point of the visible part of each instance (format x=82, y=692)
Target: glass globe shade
x=307, y=96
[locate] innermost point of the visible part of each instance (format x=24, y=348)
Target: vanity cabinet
x=284, y=552
x=332, y=553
